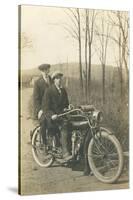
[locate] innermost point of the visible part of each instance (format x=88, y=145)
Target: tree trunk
x=86, y=68
x=121, y=84
x=80, y=66
x=80, y=51
x=120, y=63
x=103, y=67
x=89, y=74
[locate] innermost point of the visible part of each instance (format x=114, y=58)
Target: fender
x=106, y=130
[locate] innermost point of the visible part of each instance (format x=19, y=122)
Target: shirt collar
x=45, y=77
x=58, y=88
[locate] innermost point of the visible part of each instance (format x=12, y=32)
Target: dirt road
x=56, y=179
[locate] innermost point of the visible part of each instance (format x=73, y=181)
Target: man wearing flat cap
x=55, y=101
x=40, y=87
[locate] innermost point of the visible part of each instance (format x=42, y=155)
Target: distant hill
x=72, y=70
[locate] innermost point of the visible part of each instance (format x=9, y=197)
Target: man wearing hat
x=55, y=101
x=40, y=87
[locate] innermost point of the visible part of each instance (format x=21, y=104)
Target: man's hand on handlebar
x=66, y=109
x=66, y=112
x=70, y=107
x=54, y=117
x=40, y=114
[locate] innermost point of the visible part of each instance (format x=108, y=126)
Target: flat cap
x=56, y=74
x=43, y=67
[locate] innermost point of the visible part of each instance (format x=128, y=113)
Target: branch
x=72, y=20
x=106, y=43
x=99, y=36
x=92, y=25
x=99, y=54
x=71, y=31
x=73, y=14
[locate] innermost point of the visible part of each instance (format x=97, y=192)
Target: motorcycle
x=97, y=144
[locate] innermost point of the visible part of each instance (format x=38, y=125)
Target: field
x=58, y=179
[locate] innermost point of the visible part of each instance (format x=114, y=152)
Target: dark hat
x=43, y=67
x=56, y=74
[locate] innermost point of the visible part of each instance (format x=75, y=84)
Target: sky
x=51, y=43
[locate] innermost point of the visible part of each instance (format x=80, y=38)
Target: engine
x=77, y=141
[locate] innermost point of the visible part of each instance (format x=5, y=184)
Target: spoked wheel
x=38, y=152
x=105, y=157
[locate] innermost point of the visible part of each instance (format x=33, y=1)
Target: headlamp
x=98, y=116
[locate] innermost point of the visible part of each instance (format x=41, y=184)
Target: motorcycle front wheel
x=105, y=157
x=38, y=152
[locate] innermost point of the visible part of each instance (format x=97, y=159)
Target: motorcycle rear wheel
x=38, y=151
x=105, y=157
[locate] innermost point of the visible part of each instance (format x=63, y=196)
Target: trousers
x=43, y=128
x=65, y=139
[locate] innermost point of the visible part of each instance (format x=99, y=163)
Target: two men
x=50, y=100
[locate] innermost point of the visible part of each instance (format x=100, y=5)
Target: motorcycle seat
x=87, y=108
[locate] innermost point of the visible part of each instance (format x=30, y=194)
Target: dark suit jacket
x=40, y=87
x=54, y=102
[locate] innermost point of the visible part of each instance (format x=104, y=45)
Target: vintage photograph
x=73, y=99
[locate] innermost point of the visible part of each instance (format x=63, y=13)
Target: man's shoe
x=86, y=173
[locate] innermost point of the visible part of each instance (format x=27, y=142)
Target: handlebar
x=82, y=113
x=70, y=111
x=79, y=115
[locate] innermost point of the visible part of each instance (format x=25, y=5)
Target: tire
x=105, y=157
x=38, y=154
x=32, y=132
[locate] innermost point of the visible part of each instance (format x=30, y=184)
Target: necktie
x=59, y=90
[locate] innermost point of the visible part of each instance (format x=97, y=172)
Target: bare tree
x=90, y=17
x=75, y=31
x=120, y=22
x=103, y=38
x=86, y=60
x=25, y=41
